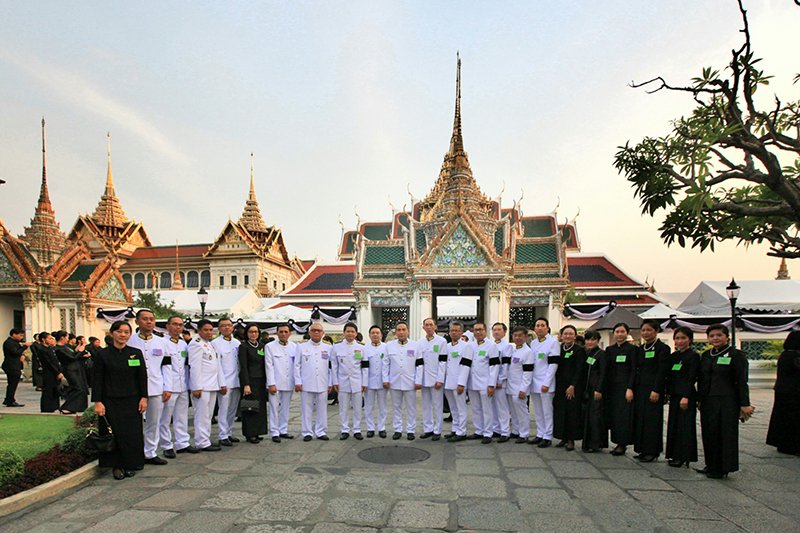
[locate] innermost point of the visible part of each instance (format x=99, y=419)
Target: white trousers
x=228, y=404
x=520, y=416
x=310, y=402
x=432, y=406
x=458, y=410
x=346, y=400
x=409, y=397
x=176, y=411
x=279, y=404
x=369, y=409
x=502, y=412
x=203, y=411
x=482, y=415
x=152, y=418
x=543, y=413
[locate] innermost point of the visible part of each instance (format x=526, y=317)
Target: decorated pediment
x=460, y=250
x=113, y=290
x=8, y=274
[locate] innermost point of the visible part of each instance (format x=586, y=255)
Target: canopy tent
x=663, y=312
x=281, y=314
x=710, y=299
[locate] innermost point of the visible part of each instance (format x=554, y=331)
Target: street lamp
x=733, y=294
x=202, y=297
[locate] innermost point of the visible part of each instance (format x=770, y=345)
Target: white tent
x=662, y=311
x=233, y=302
x=710, y=299
x=282, y=314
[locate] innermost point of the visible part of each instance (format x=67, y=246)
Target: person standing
x=595, y=434
x=120, y=396
x=568, y=400
x=434, y=357
x=519, y=379
x=312, y=379
x=502, y=402
x=281, y=356
x=155, y=350
x=784, y=423
x=619, y=383
x=207, y=380
x=652, y=360
x=546, y=353
x=36, y=363
x=227, y=348
x=176, y=409
x=682, y=423
x=349, y=374
x=455, y=381
x=253, y=380
x=484, y=365
x=51, y=373
x=724, y=400
x=402, y=375
x=375, y=353
x=13, y=349
x=76, y=398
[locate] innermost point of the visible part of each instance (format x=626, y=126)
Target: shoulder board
x=158, y=334
x=327, y=342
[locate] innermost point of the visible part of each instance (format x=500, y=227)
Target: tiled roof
x=377, y=231
x=499, y=240
x=384, y=255
x=538, y=227
x=419, y=237
x=544, y=252
x=161, y=252
x=325, y=279
x=597, y=271
x=348, y=242
x=82, y=273
x=569, y=237
x=621, y=299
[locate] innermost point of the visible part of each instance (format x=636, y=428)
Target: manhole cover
x=393, y=455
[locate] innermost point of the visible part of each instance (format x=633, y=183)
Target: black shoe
x=130, y=473
x=15, y=404
x=535, y=440
x=703, y=470
x=188, y=449
x=520, y=440
x=253, y=440
x=456, y=438
x=225, y=442
x=570, y=446
x=118, y=474
x=286, y=436
x=396, y=435
x=324, y=437
x=675, y=464
x=307, y=438
x=474, y=436
x=449, y=418
x=638, y=456
x=212, y=448
x=426, y=435
x=233, y=439
x=545, y=443
x=647, y=458
x=411, y=436
x=503, y=438
x=170, y=454
x=370, y=434
x=358, y=436
x=156, y=461
x=561, y=444
x=496, y=435
x=618, y=451
x=514, y=436
x=344, y=436
x=278, y=439
x=449, y=435
x=436, y=436
x=486, y=440
x=260, y=438
x=716, y=475
x=382, y=434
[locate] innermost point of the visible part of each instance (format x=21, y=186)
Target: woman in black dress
x=51, y=374
x=724, y=400
x=120, y=396
x=253, y=379
x=784, y=424
x=567, y=418
x=595, y=434
x=682, y=422
x=76, y=398
x=618, y=397
x=649, y=394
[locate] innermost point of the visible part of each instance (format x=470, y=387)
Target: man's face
x=146, y=322
x=49, y=341
x=456, y=332
x=498, y=333
x=96, y=343
x=479, y=330
x=18, y=337
x=316, y=332
x=519, y=338
x=187, y=336
x=375, y=335
x=350, y=334
x=206, y=332
x=284, y=333
x=429, y=326
x=175, y=327
x=401, y=332
x=540, y=328
x=225, y=328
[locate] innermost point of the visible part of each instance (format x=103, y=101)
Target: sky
x=348, y=105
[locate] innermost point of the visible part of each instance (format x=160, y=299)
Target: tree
x=729, y=170
x=152, y=301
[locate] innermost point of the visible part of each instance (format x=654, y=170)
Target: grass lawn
x=29, y=435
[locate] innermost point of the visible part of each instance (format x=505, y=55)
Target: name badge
x=724, y=361
x=435, y=348
x=482, y=353
x=541, y=356
x=622, y=358
x=410, y=353
x=157, y=352
x=134, y=362
x=260, y=352
x=184, y=354
x=567, y=355
x=381, y=355
x=590, y=361
x=649, y=354
x=324, y=355
x=357, y=354
x=677, y=366
x=453, y=354
x=515, y=360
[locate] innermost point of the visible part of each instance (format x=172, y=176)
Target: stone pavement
x=324, y=487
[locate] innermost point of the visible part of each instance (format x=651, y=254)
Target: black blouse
x=595, y=370
x=652, y=367
x=724, y=374
x=251, y=362
x=683, y=370
x=788, y=378
x=570, y=370
x=119, y=374
x=621, y=364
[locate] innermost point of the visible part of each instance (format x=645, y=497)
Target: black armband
x=494, y=361
x=420, y=362
x=506, y=360
x=553, y=359
x=167, y=360
x=365, y=363
x=443, y=357
x=466, y=362
x=527, y=368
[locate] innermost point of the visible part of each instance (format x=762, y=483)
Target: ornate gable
x=8, y=274
x=17, y=265
x=460, y=250
x=113, y=290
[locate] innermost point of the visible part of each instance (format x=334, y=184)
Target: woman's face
x=591, y=344
x=568, y=336
x=682, y=341
x=253, y=334
x=620, y=335
x=717, y=338
x=121, y=335
x=649, y=333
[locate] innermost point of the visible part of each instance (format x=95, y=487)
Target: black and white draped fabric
x=114, y=315
x=569, y=310
x=774, y=323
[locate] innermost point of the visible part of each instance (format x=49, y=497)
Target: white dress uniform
x=228, y=351
x=350, y=371
x=434, y=357
x=375, y=391
x=279, y=363
x=206, y=375
x=176, y=410
x=519, y=378
x=546, y=354
x=457, y=374
x=312, y=371
x=154, y=349
x=402, y=369
x=500, y=402
x=484, y=365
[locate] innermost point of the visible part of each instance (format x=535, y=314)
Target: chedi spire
x=251, y=217
x=109, y=212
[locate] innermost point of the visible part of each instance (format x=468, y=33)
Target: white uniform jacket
x=520, y=370
x=279, y=363
x=457, y=374
x=504, y=349
x=175, y=371
x=434, y=357
x=484, y=364
x=205, y=371
x=376, y=356
x=312, y=366
x=349, y=366
x=546, y=355
x=154, y=349
x=402, y=366
x=228, y=351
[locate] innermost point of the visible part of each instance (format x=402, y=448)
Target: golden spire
x=456, y=157
x=109, y=211
x=44, y=236
x=177, y=284
x=251, y=217
x=783, y=270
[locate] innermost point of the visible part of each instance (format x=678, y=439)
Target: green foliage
x=75, y=442
x=11, y=466
x=772, y=350
x=572, y=296
x=152, y=300
x=29, y=435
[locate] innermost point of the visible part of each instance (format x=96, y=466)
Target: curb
x=47, y=490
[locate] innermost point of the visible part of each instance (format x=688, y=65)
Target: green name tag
x=724, y=361
x=261, y=353
x=590, y=360
x=357, y=354
x=622, y=358
x=453, y=354
x=650, y=354
x=567, y=355
x=381, y=356
x=436, y=348
x=677, y=366
x=541, y=356
x=184, y=354
x=482, y=353
x=134, y=362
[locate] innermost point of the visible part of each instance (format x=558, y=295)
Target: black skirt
x=648, y=424
x=76, y=396
x=719, y=421
x=50, y=398
x=618, y=414
x=595, y=435
x=784, y=424
x=567, y=416
x=682, y=431
x=254, y=423
x=126, y=422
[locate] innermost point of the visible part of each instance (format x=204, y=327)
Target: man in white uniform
x=206, y=378
x=227, y=348
x=312, y=379
x=350, y=372
x=455, y=383
x=279, y=363
x=434, y=357
x=519, y=378
x=502, y=408
x=546, y=353
x=402, y=375
x=176, y=410
x=154, y=349
x=375, y=352
x=483, y=368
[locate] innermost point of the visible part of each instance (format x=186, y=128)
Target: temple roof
x=109, y=212
x=251, y=217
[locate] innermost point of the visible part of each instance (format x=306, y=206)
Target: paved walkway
x=323, y=486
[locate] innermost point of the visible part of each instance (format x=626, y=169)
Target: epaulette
x=327, y=342
x=158, y=334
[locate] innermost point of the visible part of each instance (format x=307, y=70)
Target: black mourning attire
x=76, y=394
x=595, y=434
x=36, y=364
x=120, y=382
x=652, y=360
x=252, y=372
x=620, y=376
x=51, y=368
x=12, y=366
x=682, y=423
x=567, y=417
x=784, y=424
x=722, y=389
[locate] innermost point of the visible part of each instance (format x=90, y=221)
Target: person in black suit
x=595, y=434
x=652, y=360
x=568, y=401
x=76, y=393
x=51, y=373
x=619, y=383
x=784, y=424
x=13, y=348
x=682, y=423
x=253, y=379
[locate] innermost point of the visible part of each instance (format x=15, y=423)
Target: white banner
x=594, y=315
x=115, y=315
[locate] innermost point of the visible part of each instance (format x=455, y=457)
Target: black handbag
x=102, y=443
x=249, y=404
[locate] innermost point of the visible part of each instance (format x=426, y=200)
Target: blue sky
x=346, y=104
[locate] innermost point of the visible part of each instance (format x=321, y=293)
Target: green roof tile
x=419, y=236
x=384, y=255
x=539, y=227
x=536, y=253
x=499, y=240
x=378, y=232
x=82, y=273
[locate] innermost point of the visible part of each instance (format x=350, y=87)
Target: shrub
x=11, y=466
x=76, y=443
x=43, y=468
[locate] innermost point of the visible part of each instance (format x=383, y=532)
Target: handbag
x=102, y=443
x=249, y=404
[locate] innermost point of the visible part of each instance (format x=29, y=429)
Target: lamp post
x=733, y=294
x=202, y=297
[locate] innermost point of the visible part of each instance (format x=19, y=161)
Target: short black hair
x=519, y=329
x=569, y=326
x=144, y=310
x=118, y=324
x=202, y=322
x=652, y=323
x=284, y=325
x=16, y=331
x=221, y=320
x=350, y=325
x=591, y=334
x=718, y=327
x=792, y=341
x=622, y=325
x=43, y=336
x=686, y=331
x=501, y=324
